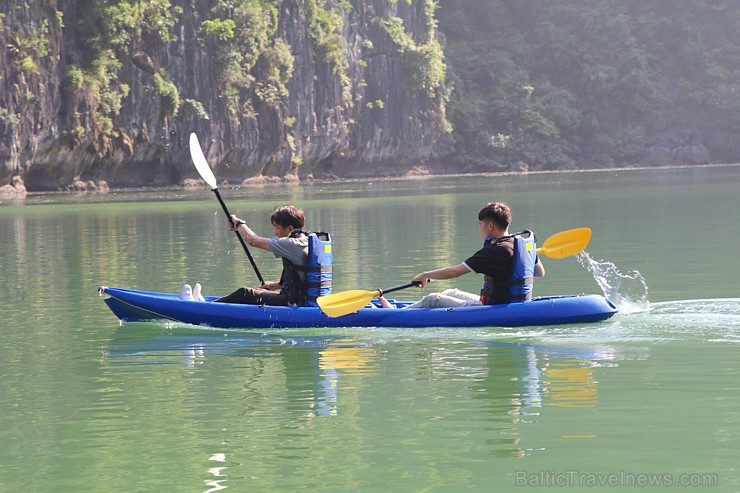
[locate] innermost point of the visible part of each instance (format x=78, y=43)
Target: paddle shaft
x=397, y=288
x=238, y=235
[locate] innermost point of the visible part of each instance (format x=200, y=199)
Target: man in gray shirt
x=291, y=245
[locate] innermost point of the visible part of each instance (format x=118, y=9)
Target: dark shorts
x=255, y=296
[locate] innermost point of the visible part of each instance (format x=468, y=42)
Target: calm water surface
x=651, y=397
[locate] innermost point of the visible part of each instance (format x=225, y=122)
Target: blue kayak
x=131, y=305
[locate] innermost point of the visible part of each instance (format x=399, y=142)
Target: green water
x=650, y=396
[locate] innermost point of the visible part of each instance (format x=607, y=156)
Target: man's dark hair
x=287, y=215
x=497, y=212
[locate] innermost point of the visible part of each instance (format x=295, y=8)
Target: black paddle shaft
x=238, y=235
x=398, y=288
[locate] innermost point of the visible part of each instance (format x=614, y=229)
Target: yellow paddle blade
x=346, y=302
x=566, y=243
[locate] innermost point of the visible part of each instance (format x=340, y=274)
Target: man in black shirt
x=495, y=261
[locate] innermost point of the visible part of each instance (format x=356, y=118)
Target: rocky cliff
x=96, y=90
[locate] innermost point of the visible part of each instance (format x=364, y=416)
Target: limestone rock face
x=336, y=89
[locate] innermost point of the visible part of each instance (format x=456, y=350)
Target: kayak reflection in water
x=509, y=264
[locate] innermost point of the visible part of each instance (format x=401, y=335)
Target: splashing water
x=628, y=291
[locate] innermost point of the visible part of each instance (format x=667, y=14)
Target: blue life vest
x=319, y=268
x=519, y=285
x=318, y=271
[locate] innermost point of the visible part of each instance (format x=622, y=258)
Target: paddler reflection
x=548, y=380
x=343, y=359
x=571, y=383
x=523, y=381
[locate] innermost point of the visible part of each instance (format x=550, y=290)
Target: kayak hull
x=131, y=305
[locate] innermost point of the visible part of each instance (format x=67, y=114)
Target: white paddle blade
x=199, y=160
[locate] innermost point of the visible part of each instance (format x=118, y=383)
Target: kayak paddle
x=557, y=246
x=199, y=160
x=346, y=302
x=565, y=243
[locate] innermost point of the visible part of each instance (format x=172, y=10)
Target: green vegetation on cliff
x=113, y=31
x=243, y=31
x=424, y=58
x=564, y=83
x=325, y=22
x=28, y=49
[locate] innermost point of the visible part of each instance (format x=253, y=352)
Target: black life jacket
x=317, y=279
x=521, y=281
